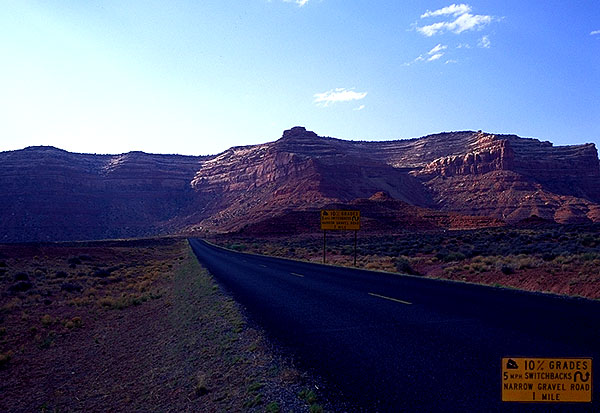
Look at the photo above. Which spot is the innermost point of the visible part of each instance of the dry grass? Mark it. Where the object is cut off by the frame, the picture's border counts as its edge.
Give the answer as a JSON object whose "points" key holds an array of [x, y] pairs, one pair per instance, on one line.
{"points": [[559, 259], [129, 326]]}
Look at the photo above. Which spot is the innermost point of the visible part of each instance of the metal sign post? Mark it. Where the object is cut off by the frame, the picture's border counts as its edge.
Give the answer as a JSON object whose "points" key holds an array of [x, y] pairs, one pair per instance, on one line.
{"points": [[324, 244], [340, 220], [355, 236]]}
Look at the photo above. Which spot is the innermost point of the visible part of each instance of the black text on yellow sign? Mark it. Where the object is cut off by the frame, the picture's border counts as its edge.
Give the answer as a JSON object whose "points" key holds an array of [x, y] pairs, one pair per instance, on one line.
{"points": [[335, 219], [547, 380]]}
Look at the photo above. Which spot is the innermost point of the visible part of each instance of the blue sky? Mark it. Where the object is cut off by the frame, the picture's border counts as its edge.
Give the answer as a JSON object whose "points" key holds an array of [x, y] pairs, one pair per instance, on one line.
{"points": [[197, 77]]}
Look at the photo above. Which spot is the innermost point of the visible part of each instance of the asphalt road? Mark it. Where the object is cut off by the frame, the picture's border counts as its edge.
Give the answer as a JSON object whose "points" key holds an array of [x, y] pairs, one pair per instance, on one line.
{"points": [[385, 342]]}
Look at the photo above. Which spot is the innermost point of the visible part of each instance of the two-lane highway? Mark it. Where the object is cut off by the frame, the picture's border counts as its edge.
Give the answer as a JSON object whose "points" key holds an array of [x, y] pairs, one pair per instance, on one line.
{"points": [[396, 343]]}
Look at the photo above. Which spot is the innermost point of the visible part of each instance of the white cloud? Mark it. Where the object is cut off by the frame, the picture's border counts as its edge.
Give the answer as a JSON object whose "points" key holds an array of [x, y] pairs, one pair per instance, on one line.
{"points": [[462, 23], [434, 54], [453, 9], [437, 49], [455, 18], [300, 3], [595, 32], [431, 29], [485, 42], [418, 59], [469, 21], [337, 95], [464, 20], [361, 107]]}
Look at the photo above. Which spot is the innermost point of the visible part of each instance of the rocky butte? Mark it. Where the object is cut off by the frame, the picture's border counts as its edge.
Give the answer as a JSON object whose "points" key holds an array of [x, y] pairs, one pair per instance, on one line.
{"points": [[50, 194]]}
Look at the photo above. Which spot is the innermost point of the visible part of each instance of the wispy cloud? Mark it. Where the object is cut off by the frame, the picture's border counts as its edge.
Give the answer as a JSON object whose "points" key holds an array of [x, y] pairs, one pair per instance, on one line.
{"points": [[300, 3], [463, 20], [455, 18], [453, 9], [432, 29], [595, 32], [337, 95], [437, 49], [361, 107], [436, 52], [462, 23], [418, 59], [484, 42], [432, 55]]}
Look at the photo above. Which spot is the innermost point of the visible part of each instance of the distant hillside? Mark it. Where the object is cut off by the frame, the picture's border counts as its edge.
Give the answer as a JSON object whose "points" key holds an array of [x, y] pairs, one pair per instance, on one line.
{"points": [[379, 214], [50, 194]]}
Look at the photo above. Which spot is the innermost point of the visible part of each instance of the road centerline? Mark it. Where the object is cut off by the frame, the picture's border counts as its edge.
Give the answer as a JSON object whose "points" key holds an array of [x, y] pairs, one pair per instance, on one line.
{"points": [[390, 298]]}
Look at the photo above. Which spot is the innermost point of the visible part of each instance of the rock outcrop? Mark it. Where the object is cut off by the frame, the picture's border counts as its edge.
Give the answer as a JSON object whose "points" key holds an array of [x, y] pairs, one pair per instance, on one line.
{"points": [[301, 170], [483, 155], [50, 194], [380, 213], [512, 178]]}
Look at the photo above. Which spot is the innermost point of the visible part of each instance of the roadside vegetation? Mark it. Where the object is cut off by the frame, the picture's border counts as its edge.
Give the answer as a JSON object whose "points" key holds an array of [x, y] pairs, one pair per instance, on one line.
{"points": [[130, 326], [560, 259]]}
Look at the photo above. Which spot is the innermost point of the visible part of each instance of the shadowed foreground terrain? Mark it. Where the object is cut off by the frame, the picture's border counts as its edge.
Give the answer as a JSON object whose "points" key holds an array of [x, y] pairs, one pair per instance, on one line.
{"points": [[562, 259], [130, 326]]}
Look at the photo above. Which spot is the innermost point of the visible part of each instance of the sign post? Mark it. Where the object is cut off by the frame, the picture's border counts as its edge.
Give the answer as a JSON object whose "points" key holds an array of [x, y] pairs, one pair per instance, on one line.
{"points": [[355, 236], [324, 245], [339, 220]]}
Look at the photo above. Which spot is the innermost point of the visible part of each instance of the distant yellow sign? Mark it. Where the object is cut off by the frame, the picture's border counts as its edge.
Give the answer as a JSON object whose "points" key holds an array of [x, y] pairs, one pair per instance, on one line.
{"points": [[547, 380], [335, 219]]}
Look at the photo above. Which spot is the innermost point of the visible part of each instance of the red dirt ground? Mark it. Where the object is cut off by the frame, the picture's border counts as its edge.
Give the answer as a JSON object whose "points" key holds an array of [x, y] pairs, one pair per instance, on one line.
{"points": [[152, 332]]}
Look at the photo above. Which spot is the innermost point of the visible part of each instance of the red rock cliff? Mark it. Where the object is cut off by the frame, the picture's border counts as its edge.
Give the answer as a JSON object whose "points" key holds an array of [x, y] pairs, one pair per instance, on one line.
{"points": [[50, 194]]}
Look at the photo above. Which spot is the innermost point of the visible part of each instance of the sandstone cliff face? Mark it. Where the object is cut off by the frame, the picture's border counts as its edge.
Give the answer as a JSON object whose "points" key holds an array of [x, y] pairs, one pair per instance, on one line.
{"points": [[474, 173], [508, 196], [512, 178], [50, 194], [566, 170], [300, 170], [481, 156], [476, 153]]}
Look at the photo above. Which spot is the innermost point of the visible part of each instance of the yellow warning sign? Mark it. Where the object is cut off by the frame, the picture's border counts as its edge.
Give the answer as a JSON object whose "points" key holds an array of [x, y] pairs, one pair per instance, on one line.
{"points": [[546, 380], [335, 219]]}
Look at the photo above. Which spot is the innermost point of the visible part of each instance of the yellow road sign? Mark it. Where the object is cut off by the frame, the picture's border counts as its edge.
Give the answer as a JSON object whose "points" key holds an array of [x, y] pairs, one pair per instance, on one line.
{"points": [[335, 219], [546, 380]]}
